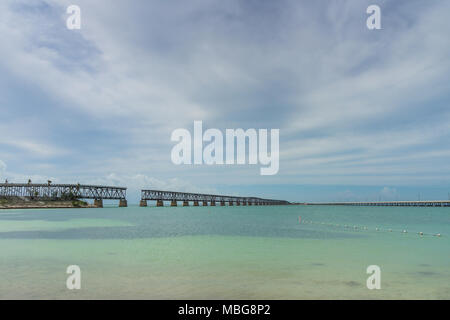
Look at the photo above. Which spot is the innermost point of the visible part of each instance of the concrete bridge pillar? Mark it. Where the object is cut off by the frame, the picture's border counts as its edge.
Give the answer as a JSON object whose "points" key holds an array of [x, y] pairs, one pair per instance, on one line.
{"points": [[173, 203], [249, 203], [143, 203], [195, 203], [244, 203], [159, 203], [98, 203], [205, 203], [185, 203], [230, 203], [222, 203], [123, 203], [213, 203], [238, 203]]}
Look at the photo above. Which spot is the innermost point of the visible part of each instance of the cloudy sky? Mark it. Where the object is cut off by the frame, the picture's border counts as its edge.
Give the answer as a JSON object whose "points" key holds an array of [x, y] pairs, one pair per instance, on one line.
{"points": [[363, 114]]}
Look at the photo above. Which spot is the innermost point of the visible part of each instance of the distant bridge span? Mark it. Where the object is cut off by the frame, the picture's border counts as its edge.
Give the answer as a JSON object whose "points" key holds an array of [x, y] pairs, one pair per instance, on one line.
{"points": [[50, 192], [423, 203], [196, 198]]}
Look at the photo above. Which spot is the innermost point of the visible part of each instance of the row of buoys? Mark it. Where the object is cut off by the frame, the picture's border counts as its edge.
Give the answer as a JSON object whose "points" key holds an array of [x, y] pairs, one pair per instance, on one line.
{"points": [[364, 227]]}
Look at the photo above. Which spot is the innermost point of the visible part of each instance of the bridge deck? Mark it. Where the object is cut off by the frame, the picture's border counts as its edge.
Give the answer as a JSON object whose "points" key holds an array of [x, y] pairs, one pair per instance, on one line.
{"points": [[430, 203], [186, 196], [61, 191]]}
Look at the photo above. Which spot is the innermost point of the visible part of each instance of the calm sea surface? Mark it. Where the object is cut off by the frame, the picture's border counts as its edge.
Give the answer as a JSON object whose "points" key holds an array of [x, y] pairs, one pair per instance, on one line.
{"points": [[225, 252]]}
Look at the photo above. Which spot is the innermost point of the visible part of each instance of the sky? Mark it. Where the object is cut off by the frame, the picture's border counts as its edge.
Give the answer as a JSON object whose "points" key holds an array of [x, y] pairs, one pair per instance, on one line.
{"points": [[363, 114]]}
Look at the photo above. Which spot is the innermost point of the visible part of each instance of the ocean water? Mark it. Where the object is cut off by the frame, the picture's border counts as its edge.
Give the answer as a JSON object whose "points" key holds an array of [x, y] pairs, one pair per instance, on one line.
{"points": [[225, 252]]}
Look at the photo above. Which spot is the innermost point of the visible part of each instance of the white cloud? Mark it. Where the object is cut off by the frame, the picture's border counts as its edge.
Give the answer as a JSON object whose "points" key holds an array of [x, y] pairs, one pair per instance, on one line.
{"points": [[142, 181], [345, 100], [388, 193], [2, 168]]}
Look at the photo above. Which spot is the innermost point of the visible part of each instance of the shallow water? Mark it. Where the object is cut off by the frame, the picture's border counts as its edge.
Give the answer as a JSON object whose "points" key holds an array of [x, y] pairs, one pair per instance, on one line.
{"points": [[225, 252]]}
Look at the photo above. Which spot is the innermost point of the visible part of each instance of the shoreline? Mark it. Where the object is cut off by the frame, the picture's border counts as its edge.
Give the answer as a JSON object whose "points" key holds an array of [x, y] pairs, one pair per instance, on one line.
{"points": [[76, 204]]}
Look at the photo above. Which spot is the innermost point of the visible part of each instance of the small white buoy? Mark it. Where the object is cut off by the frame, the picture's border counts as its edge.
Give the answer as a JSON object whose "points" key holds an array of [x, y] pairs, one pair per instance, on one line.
{"points": [[404, 231], [438, 235], [421, 233]]}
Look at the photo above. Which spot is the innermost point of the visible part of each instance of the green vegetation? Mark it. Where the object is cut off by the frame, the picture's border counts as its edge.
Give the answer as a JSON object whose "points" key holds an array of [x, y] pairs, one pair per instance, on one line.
{"points": [[79, 203], [23, 203], [69, 196]]}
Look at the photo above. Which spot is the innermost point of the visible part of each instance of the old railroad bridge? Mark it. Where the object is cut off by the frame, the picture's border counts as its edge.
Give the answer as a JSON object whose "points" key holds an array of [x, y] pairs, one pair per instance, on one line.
{"points": [[34, 191], [49, 192], [427, 203], [196, 198]]}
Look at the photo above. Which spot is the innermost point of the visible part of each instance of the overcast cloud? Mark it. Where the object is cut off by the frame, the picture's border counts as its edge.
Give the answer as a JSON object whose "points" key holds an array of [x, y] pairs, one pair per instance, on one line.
{"points": [[354, 106]]}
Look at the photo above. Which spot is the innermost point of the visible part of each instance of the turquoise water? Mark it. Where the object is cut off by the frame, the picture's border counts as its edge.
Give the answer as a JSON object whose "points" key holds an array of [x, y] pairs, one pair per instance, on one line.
{"points": [[225, 252]]}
